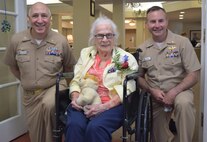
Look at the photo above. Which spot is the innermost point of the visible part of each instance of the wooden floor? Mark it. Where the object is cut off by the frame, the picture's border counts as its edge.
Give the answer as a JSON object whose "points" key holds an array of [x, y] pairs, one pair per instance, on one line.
{"points": [[25, 138]]}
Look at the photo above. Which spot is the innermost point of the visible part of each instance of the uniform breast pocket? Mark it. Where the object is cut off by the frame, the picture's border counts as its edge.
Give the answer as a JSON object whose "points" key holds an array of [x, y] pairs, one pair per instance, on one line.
{"points": [[172, 61], [22, 58], [150, 68], [52, 59], [173, 64], [147, 64], [24, 62], [52, 63]]}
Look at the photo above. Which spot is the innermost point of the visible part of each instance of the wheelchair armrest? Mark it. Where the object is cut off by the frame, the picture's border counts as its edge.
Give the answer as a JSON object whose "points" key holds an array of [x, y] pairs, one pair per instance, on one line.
{"points": [[131, 76]]}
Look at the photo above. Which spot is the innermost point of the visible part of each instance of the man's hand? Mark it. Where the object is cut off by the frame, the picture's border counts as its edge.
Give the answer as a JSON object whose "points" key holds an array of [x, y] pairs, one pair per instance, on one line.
{"points": [[157, 94], [170, 97]]}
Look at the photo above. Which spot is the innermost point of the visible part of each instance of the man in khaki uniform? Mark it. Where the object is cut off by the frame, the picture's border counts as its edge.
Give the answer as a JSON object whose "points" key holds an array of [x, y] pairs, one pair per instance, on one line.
{"points": [[35, 56], [169, 68]]}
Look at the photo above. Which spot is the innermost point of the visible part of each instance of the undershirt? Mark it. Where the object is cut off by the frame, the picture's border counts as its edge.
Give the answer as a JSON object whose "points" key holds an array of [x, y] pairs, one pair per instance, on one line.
{"points": [[98, 72]]}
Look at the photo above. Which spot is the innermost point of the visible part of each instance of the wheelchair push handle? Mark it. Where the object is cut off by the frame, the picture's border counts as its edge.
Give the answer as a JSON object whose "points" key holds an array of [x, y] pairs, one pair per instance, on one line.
{"points": [[64, 75]]}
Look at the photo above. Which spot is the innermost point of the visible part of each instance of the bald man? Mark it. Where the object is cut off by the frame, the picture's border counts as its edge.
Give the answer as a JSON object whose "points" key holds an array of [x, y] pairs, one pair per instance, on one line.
{"points": [[35, 56]]}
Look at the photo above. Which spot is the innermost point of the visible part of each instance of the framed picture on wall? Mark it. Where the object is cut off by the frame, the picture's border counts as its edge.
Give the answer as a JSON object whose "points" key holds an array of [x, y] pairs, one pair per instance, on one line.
{"points": [[195, 37], [92, 8], [195, 34]]}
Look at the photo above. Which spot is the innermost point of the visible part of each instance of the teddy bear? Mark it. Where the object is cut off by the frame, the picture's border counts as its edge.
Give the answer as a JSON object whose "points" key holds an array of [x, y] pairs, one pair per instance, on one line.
{"points": [[88, 94]]}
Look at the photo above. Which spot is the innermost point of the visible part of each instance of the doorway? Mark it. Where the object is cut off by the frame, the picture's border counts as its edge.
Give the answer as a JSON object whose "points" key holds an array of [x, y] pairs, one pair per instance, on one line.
{"points": [[12, 122]]}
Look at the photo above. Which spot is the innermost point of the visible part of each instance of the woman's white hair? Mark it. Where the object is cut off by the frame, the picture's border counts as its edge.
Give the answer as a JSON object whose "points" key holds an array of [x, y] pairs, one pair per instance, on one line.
{"points": [[99, 21]]}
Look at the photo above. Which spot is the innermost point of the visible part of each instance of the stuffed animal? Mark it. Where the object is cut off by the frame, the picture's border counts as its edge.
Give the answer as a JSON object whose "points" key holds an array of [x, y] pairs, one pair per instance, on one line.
{"points": [[88, 94]]}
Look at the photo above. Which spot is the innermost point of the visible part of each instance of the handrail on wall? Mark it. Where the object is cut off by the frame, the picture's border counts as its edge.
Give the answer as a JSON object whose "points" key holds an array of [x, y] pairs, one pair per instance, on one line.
{"points": [[2, 49], [9, 84], [8, 12]]}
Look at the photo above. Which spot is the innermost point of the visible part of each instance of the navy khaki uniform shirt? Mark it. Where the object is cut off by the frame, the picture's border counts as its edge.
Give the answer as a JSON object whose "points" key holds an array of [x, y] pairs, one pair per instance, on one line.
{"points": [[39, 64], [167, 66]]}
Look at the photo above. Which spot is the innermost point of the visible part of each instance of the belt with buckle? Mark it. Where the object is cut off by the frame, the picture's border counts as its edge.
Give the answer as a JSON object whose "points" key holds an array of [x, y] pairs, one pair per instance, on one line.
{"points": [[35, 92]]}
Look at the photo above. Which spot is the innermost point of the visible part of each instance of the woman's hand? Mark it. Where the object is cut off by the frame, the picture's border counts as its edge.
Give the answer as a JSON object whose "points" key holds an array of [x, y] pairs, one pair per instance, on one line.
{"points": [[93, 110], [76, 106], [74, 97]]}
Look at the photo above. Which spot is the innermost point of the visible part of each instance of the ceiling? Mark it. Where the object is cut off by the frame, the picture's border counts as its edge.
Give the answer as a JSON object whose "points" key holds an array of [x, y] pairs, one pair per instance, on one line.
{"points": [[192, 11], [191, 15]]}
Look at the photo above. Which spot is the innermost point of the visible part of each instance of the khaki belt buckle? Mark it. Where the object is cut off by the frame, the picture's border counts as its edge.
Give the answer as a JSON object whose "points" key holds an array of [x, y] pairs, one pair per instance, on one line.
{"points": [[38, 91]]}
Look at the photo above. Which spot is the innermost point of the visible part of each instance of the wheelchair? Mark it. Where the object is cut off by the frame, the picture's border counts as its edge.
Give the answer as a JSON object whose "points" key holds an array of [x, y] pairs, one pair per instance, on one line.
{"points": [[137, 111]]}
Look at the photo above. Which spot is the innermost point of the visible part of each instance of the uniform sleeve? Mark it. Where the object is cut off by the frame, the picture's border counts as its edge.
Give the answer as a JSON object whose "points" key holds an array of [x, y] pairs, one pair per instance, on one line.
{"points": [[74, 85], [189, 57], [68, 58], [10, 54], [141, 69]]}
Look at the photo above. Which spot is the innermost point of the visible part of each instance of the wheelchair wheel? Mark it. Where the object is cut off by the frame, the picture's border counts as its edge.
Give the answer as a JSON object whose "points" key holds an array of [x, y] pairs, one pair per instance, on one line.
{"points": [[144, 119]]}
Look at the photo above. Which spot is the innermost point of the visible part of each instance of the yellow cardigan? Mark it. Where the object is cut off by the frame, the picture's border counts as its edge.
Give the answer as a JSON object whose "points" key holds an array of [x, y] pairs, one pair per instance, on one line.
{"points": [[111, 80]]}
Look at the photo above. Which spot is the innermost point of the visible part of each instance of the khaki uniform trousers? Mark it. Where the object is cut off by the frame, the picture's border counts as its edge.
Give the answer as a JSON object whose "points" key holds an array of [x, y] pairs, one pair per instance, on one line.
{"points": [[40, 113], [183, 115]]}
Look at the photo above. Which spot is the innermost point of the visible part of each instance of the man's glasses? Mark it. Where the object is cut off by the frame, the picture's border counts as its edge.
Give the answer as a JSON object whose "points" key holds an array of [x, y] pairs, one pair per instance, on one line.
{"points": [[101, 36]]}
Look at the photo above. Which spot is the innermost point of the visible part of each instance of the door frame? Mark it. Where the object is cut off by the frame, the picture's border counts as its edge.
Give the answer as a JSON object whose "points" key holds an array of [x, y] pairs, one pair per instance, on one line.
{"points": [[15, 126], [203, 87]]}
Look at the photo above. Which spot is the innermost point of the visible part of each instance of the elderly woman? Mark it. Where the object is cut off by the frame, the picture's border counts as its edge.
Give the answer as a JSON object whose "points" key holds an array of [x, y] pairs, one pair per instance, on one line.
{"points": [[109, 64]]}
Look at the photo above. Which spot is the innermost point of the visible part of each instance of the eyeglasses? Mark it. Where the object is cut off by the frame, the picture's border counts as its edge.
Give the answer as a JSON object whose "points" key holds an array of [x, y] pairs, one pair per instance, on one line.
{"points": [[108, 36]]}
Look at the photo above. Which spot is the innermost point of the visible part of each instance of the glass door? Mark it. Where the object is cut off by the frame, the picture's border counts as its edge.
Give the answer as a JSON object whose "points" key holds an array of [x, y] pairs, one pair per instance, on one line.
{"points": [[12, 121]]}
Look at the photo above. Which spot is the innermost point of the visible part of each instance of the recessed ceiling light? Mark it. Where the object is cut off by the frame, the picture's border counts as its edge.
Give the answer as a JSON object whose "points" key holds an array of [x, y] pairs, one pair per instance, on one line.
{"points": [[181, 16], [182, 12]]}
